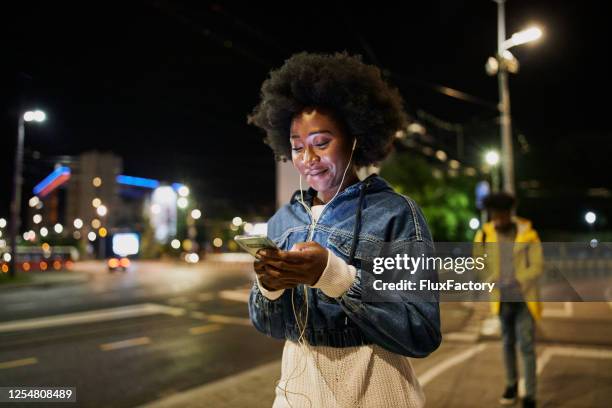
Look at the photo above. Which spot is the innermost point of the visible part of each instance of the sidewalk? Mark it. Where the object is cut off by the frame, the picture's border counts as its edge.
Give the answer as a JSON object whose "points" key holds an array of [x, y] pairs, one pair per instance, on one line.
{"points": [[46, 279], [253, 388]]}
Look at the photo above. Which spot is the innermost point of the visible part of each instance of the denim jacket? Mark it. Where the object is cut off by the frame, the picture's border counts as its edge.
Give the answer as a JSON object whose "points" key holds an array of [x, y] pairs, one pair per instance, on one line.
{"points": [[354, 225]]}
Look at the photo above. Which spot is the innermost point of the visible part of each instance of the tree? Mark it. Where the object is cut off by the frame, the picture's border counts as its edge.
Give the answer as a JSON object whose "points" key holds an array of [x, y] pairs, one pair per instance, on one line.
{"points": [[447, 201]]}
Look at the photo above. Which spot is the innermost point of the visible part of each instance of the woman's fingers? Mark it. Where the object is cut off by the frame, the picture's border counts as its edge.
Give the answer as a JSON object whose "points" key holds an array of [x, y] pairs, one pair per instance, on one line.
{"points": [[273, 271], [272, 276], [263, 273], [277, 255], [282, 266], [300, 253], [259, 266]]}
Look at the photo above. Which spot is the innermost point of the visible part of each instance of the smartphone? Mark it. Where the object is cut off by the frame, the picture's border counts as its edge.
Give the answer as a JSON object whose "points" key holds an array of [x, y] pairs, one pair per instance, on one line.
{"points": [[253, 243]]}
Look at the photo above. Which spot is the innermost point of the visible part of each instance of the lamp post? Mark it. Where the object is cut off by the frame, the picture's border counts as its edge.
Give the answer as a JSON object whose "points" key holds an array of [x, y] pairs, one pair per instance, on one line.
{"points": [[503, 63], [15, 220]]}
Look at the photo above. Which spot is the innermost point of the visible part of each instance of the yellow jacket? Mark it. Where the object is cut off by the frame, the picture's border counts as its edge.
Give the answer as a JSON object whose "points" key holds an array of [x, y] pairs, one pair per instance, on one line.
{"points": [[527, 259]]}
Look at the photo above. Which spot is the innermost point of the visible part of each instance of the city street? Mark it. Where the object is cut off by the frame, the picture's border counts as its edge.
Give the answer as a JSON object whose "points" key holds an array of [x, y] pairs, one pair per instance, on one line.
{"points": [[124, 339], [179, 335]]}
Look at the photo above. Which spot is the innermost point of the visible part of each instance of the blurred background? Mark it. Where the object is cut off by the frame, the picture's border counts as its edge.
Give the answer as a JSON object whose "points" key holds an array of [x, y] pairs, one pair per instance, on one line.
{"points": [[123, 131]]}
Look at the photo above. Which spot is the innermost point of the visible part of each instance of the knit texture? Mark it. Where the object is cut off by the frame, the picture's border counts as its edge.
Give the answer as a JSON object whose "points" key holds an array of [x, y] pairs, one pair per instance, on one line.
{"points": [[365, 376]]}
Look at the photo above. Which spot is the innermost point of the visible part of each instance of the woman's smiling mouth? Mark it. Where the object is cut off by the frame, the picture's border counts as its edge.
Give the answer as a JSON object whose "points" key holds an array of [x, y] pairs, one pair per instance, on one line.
{"points": [[314, 173]]}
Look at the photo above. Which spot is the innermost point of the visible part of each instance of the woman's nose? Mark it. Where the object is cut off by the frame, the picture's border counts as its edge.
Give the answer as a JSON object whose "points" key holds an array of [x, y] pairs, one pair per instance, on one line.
{"points": [[309, 156]]}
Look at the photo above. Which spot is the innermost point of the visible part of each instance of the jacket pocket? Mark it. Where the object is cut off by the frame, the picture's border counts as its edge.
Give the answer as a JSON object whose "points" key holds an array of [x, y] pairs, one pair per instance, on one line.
{"points": [[290, 237], [367, 247], [340, 242]]}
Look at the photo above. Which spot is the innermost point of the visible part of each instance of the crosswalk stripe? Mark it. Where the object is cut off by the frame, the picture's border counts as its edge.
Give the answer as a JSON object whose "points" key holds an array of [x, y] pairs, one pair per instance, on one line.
{"points": [[115, 313], [138, 341], [438, 369], [243, 321], [18, 363], [204, 329], [236, 295]]}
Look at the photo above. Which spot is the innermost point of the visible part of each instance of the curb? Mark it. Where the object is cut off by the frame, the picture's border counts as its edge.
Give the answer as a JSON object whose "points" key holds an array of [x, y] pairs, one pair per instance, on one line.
{"points": [[44, 283]]}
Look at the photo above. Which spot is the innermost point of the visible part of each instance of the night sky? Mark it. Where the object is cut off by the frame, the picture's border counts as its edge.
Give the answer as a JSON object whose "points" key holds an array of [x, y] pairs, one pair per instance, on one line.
{"points": [[167, 85]]}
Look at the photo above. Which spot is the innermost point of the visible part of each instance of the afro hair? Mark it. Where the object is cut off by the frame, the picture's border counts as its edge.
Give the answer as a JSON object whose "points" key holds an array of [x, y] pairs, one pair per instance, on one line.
{"points": [[367, 107]]}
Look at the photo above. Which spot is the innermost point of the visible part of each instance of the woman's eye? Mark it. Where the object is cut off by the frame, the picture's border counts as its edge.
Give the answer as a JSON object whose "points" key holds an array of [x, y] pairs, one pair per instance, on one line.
{"points": [[323, 144], [296, 149]]}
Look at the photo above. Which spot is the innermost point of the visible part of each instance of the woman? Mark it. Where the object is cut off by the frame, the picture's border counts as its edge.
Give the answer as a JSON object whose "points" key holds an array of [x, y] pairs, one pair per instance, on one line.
{"points": [[332, 114]]}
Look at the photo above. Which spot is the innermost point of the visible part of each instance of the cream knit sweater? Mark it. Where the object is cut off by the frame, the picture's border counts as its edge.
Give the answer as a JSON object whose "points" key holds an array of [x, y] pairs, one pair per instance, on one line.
{"points": [[363, 376]]}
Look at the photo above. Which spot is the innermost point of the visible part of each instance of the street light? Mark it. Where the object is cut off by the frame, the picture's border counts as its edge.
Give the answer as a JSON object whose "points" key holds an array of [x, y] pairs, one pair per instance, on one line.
{"points": [[29, 116], [590, 217], [102, 210], [182, 202], [34, 116], [503, 63], [78, 223], [523, 37], [492, 159], [474, 223], [183, 191]]}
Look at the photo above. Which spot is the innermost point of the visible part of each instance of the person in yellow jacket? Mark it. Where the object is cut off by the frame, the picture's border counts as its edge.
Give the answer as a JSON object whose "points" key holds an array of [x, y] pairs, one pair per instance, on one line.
{"points": [[514, 263]]}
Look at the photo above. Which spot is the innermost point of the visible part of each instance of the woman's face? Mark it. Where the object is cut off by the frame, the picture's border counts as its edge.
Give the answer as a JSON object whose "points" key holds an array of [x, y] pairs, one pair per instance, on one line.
{"points": [[320, 151]]}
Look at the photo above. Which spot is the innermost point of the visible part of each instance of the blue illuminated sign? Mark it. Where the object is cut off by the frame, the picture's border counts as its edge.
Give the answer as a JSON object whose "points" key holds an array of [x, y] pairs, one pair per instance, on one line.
{"points": [[177, 186], [53, 180], [137, 181]]}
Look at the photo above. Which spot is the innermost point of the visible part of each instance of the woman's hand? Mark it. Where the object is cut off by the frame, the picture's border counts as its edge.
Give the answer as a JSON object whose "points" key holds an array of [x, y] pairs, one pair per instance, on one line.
{"points": [[270, 278], [304, 263]]}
